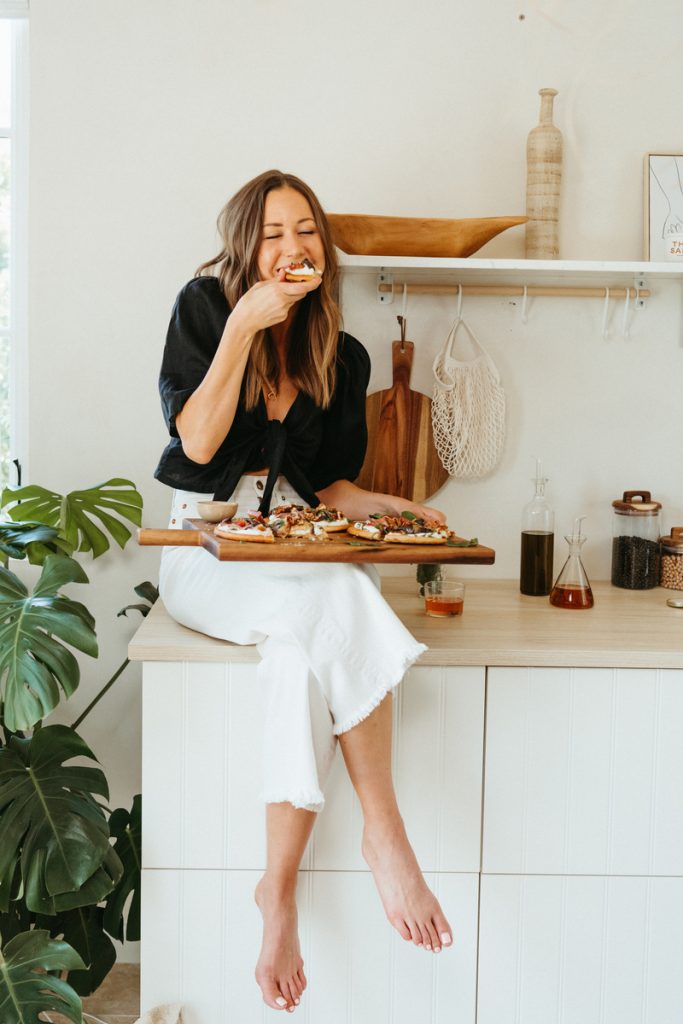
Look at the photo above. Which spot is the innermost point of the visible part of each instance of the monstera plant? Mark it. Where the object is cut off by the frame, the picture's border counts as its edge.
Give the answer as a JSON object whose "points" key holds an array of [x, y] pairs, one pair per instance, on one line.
{"points": [[68, 864]]}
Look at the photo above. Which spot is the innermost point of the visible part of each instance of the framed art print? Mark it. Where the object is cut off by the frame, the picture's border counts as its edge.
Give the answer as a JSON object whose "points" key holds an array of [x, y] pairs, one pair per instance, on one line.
{"points": [[663, 194]]}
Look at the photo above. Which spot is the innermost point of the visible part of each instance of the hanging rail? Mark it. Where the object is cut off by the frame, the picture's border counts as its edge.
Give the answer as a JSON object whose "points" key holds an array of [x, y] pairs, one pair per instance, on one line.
{"points": [[516, 290]]}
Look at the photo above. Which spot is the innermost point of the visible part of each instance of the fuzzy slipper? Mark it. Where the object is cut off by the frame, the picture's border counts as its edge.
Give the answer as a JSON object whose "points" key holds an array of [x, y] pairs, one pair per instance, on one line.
{"points": [[170, 1013]]}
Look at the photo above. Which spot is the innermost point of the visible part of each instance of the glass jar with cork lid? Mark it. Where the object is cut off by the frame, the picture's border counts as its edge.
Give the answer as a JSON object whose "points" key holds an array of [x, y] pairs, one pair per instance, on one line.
{"points": [[671, 572], [635, 541]]}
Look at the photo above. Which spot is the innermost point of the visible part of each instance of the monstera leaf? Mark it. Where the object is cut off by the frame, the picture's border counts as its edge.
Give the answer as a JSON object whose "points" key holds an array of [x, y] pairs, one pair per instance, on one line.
{"points": [[26, 990], [127, 828], [148, 592], [51, 823], [73, 514], [83, 930], [17, 919], [35, 540], [33, 662]]}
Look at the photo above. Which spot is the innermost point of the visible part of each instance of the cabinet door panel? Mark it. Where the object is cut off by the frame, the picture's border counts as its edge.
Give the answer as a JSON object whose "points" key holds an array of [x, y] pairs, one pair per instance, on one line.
{"points": [[580, 950], [580, 771], [202, 749], [202, 934]]}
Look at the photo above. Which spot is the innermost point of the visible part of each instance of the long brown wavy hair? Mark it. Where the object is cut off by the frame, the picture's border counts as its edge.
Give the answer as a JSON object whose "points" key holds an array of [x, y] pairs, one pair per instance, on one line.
{"points": [[311, 357]]}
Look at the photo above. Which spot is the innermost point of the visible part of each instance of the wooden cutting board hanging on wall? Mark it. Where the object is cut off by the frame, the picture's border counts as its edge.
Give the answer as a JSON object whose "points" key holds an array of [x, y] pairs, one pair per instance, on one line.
{"points": [[401, 457]]}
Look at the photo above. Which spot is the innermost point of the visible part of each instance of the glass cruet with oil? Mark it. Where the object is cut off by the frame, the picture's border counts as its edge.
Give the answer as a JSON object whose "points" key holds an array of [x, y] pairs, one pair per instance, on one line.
{"points": [[536, 558], [572, 589]]}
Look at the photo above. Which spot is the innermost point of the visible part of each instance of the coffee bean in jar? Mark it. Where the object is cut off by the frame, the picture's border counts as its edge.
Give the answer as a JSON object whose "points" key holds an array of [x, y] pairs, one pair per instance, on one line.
{"points": [[671, 569], [635, 542]]}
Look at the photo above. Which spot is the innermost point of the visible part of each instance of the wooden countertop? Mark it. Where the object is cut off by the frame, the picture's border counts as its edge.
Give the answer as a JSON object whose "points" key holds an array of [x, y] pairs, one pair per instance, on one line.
{"points": [[499, 626]]}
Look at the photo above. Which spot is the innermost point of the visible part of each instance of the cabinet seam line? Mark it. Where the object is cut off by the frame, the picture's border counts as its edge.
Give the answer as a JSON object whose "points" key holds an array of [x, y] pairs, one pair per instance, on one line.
{"points": [[481, 846]]}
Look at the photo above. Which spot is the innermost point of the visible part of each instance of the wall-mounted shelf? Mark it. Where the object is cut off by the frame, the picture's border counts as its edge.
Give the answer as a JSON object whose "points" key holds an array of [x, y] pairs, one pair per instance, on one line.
{"points": [[587, 278]]}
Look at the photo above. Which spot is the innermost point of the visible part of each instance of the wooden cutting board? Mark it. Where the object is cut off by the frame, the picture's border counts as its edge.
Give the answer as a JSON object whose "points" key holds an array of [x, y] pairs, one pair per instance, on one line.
{"points": [[401, 457], [338, 547]]}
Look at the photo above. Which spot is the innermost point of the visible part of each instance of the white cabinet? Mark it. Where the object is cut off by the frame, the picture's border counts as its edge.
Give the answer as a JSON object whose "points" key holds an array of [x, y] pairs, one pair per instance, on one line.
{"points": [[581, 915], [545, 805], [203, 932], [583, 771], [580, 950], [203, 852]]}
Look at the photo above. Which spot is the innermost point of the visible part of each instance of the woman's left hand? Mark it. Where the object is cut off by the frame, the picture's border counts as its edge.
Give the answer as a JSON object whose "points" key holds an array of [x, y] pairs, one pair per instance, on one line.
{"points": [[357, 503], [401, 505]]}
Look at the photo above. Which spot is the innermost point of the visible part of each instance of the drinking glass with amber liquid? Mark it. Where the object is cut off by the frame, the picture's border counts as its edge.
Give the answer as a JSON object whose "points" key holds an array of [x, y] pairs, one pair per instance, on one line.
{"points": [[444, 598]]}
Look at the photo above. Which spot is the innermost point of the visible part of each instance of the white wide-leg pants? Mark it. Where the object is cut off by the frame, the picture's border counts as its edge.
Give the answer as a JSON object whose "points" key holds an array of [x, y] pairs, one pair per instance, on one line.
{"points": [[331, 647]]}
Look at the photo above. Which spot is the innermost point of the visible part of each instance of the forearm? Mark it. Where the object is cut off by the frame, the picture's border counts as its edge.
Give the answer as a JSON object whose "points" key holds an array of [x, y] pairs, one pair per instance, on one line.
{"points": [[356, 503], [208, 414]]}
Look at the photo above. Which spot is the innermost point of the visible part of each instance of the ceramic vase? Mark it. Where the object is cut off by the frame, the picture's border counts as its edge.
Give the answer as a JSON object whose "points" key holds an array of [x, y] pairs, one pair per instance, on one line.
{"points": [[544, 176]]}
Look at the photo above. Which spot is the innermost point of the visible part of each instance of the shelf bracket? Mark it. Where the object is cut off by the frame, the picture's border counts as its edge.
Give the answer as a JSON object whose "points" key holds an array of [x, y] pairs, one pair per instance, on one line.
{"points": [[385, 297], [640, 284]]}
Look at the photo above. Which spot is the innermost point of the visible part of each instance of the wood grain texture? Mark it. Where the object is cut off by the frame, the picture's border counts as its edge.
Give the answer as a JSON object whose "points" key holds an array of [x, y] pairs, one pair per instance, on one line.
{"points": [[172, 538], [401, 457], [338, 547], [499, 626], [361, 235]]}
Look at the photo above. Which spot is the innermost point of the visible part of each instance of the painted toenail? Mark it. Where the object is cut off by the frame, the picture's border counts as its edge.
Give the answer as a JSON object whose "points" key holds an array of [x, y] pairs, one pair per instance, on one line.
{"points": [[428, 946], [437, 949], [297, 1001], [446, 939], [280, 1001]]}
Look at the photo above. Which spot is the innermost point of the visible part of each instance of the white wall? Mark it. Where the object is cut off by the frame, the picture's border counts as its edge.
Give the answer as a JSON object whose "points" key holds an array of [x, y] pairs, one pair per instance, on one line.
{"points": [[147, 114]]}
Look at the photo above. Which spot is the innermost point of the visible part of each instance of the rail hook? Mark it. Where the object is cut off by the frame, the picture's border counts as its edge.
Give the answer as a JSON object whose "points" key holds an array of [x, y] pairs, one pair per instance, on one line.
{"points": [[605, 316], [402, 319]]}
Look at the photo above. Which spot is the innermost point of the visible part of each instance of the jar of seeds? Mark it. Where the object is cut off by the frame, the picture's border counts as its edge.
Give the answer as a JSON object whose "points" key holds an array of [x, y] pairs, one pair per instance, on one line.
{"points": [[671, 554], [635, 541]]}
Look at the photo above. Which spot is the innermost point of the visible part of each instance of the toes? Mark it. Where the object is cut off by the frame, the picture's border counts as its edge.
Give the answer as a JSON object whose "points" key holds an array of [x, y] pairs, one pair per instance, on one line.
{"points": [[434, 939], [417, 935], [443, 929], [301, 977], [272, 995], [402, 928], [289, 990]]}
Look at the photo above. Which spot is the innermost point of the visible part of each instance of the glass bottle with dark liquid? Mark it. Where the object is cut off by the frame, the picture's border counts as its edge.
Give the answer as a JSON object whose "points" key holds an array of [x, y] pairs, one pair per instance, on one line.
{"points": [[572, 589], [536, 561]]}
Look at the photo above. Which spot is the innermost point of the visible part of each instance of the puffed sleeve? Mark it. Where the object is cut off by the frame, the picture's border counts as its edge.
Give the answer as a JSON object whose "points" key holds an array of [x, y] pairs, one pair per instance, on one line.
{"points": [[345, 433], [195, 330]]}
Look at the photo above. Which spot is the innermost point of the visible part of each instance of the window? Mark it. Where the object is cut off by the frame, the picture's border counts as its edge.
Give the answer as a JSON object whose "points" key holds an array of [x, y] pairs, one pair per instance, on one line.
{"points": [[13, 230]]}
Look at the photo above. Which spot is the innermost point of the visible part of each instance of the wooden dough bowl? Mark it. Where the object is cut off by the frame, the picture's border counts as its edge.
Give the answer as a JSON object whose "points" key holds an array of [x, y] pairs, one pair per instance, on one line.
{"points": [[360, 235]]}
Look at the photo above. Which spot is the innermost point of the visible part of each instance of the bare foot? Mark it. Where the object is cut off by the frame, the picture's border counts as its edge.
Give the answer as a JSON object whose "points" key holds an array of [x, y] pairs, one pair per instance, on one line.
{"points": [[409, 903], [280, 969]]}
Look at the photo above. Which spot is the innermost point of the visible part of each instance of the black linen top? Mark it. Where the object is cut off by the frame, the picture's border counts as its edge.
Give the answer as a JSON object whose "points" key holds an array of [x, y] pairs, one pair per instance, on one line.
{"points": [[311, 447]]}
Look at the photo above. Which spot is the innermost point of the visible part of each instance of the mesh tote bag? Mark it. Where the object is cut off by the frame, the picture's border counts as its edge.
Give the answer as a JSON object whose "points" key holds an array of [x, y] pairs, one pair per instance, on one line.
{"points": [[468, 408]]}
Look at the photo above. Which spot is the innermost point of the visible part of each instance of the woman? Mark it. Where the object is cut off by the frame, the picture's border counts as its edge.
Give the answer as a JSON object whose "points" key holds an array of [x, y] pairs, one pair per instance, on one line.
{"points": [[264, 398]]}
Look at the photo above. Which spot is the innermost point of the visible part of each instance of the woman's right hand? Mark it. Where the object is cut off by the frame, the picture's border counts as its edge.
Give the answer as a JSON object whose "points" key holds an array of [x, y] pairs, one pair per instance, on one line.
{"points": [[269, 302], [205, 419]]}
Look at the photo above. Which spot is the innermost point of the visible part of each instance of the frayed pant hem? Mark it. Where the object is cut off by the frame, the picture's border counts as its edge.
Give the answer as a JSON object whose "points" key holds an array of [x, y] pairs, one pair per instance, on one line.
{"points": [[378, 696], [366, 710], [301, 801]]}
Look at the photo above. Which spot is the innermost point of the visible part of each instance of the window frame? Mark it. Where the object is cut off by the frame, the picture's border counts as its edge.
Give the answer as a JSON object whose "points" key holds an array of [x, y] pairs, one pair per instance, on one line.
{"points": [[17, 132]]}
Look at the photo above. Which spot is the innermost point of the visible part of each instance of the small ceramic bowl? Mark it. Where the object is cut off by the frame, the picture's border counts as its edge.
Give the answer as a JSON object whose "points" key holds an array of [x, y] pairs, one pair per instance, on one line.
{"points": [[215, 511]]}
